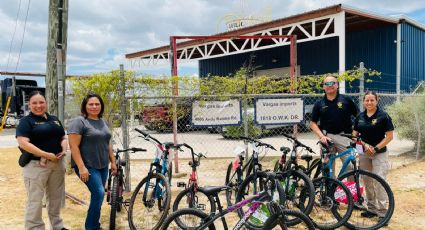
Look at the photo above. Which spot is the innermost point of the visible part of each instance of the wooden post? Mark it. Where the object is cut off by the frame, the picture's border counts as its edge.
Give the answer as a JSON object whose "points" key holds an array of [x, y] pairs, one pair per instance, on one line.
{"points": [[56, 56]]}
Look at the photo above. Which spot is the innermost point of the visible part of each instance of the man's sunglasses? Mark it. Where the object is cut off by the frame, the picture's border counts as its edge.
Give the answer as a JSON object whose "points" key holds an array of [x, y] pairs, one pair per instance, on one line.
{"points": [[330, 83]]}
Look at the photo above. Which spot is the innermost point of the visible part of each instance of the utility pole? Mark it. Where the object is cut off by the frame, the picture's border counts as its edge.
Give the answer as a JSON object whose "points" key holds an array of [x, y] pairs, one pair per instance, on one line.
{"points": [[56, 56]]}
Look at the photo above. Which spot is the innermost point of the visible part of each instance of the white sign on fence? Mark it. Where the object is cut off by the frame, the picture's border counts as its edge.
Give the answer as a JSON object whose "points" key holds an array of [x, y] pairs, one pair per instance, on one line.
{"points": [[279, 111], [207, 113]]}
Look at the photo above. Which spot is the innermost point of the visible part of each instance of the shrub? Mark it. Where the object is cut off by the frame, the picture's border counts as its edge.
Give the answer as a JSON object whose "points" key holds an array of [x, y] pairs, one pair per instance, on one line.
{"points": [[405, 120]]}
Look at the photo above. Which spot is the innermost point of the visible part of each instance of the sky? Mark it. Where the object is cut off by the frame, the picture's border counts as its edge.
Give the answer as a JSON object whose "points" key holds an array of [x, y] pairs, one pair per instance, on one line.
{"points": [[101, 32]]}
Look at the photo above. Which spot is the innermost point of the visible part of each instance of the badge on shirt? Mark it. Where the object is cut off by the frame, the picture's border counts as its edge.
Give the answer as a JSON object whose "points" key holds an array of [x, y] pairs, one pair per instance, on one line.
{"points": [[374, 121], [339, 105]]}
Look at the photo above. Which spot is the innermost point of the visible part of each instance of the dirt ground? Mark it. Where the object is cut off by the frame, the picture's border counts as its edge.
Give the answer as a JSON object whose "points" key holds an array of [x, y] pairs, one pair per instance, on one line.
{"points": [[407, 179]]}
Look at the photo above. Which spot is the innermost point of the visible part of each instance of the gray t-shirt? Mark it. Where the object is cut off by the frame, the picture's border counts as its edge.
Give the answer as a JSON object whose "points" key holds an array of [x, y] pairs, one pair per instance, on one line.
{"points": [[95, 137]]}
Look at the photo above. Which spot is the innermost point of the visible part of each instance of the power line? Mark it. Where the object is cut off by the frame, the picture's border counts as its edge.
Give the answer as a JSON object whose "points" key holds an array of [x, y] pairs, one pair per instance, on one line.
{"points": [[23, 36], [13, 36]]}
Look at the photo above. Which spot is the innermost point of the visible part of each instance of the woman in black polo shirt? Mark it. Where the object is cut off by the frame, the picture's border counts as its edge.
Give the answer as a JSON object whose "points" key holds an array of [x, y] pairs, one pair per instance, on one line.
{"points": [[375, 127], [41, 135]]}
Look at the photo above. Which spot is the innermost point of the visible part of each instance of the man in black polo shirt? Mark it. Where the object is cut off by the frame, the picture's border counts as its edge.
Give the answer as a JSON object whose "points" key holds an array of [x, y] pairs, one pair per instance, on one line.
{"points": [[333, 113]]}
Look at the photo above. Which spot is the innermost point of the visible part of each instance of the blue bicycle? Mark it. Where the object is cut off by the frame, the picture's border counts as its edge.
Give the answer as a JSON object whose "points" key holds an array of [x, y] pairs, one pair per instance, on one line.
{"points": [[356, 181], [150, 201]]}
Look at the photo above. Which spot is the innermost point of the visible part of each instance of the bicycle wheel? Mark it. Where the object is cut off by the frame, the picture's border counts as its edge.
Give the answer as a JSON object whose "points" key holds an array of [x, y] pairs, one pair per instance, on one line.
{"points": [[169, 174], [232, 182], [281, 220], [299, 191], [114, 201], [190, 199], [333, 203], [149, 214], [192, 218], [246, 189], [367, 200]]}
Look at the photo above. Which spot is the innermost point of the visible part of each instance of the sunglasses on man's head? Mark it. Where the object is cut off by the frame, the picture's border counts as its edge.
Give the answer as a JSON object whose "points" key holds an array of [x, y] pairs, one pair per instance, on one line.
{"points": [[330, 83]]}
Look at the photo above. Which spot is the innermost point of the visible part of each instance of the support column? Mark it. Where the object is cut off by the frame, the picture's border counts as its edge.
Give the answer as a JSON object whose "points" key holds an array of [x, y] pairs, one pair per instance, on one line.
{"points": [[398, 62], [340, 30]]}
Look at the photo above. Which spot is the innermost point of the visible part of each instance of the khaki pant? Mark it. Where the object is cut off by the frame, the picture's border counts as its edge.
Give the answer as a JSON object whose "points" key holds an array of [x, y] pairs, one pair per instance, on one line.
{"points": [[340, 144], [46, 180], [377, 198]]}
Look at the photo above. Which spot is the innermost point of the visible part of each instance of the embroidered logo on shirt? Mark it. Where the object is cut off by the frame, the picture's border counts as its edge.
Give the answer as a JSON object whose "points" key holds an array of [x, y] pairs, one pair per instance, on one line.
{"points": [[339, 105], [374, 121]]}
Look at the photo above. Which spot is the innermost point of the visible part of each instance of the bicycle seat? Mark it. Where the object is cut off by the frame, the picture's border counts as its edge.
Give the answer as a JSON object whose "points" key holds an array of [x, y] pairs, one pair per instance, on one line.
{"points": [[307, 157], [213, 190], [285, 150]]}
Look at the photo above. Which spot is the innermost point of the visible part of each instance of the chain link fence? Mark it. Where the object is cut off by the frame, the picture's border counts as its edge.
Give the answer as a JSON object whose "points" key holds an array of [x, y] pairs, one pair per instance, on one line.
{"points": [[212, 125], [214, 129]]}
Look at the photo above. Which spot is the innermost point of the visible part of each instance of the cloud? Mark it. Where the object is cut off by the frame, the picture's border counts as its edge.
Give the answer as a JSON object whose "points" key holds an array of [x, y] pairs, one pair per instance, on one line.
{"points": [[101, 32]]}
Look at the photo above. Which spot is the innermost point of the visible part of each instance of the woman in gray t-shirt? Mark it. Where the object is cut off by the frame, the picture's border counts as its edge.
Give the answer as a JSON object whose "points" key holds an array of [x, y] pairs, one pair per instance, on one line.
{"points": [[89, 140]]}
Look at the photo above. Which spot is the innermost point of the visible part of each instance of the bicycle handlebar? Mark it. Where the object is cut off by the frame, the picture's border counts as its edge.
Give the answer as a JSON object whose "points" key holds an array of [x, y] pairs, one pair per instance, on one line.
{"points": [[146, 135], [257, 142], [298, 143], [131, 149]]}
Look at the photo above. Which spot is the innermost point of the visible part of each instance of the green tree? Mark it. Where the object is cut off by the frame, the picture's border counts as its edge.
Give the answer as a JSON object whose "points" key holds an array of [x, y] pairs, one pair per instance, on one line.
{"points": [[409, 118], [108, 86]]}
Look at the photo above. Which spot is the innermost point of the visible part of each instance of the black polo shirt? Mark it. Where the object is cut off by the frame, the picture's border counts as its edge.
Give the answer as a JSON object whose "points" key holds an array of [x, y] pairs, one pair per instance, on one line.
{"points": [[46, 134], [372, 129], [334, 116]]}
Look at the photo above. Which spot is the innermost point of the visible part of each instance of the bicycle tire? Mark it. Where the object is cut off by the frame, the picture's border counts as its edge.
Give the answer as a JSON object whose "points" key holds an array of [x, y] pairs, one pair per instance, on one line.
{"points": [[120, 192], [114, 201], [167, 225], [149, 219], [327, 204], [300, 192], [170, 172], [278, 220], [233, 184], [358, 222], [276, 167], [192, 203], [245, 191]]}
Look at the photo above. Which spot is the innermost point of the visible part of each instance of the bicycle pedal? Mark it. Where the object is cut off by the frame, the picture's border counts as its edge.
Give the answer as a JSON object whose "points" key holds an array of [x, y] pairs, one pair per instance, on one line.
{"points": [[126, 202], [201, 207], [181, 184]]}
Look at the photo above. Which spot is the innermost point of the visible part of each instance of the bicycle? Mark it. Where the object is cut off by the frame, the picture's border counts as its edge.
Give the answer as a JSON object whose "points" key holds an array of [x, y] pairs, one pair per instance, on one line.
{"points": [[154, 189], [253, 164], [114, 195], [255, 182], [356, 180], [267, 199], [298, 186], [329, 211], [236, 178], [193, 196]]}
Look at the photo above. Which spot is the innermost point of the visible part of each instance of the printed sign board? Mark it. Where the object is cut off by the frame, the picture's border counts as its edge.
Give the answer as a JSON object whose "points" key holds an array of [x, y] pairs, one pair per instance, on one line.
{"points": [[215, 113], [275, 111]]}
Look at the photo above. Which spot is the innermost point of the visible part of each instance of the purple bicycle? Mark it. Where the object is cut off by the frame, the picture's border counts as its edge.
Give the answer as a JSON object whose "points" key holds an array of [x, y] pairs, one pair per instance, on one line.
{"points": [[263, 207]]}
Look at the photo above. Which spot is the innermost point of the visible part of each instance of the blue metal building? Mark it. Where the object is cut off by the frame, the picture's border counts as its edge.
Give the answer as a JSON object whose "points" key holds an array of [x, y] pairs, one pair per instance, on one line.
{"points": [[329, 40]]}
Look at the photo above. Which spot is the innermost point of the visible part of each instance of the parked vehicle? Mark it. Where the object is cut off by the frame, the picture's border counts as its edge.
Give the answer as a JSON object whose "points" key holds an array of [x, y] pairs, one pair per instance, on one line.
{"points": [[160, 118]]}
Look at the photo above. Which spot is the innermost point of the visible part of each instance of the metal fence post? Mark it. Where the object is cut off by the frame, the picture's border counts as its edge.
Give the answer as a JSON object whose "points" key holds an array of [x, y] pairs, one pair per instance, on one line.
{"points": [[361, 85], [124, 128], [418, 127]]}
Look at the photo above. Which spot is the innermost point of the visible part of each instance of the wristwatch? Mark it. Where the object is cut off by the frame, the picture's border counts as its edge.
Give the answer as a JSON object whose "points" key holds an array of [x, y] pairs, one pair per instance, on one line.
{"points": [[376, 149]]}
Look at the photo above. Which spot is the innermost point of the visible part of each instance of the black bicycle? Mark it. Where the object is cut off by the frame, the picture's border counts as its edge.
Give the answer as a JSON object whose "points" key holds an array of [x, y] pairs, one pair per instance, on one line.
{"points": [[116, 186]]}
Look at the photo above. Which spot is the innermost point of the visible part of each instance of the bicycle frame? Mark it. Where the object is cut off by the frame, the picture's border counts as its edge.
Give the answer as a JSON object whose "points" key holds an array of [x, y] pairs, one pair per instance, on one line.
{"points": [[350, 159], [159, 165], [256, 203]]}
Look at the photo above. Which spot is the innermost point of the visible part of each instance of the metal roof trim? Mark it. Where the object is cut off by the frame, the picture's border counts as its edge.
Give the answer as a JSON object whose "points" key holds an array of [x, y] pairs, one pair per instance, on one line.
{"points": [[404, 18], [369, 14]]}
